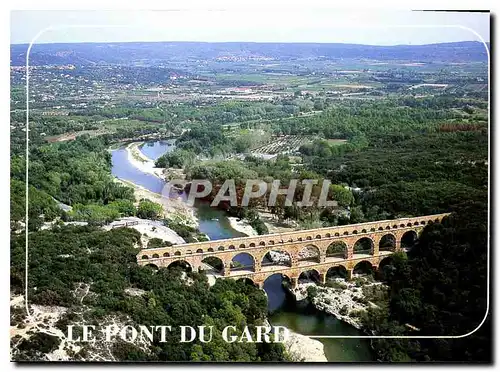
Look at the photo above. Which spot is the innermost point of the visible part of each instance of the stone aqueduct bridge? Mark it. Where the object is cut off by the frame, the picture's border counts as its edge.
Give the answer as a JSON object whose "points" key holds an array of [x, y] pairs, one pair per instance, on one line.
{"points": [[293, 243]]}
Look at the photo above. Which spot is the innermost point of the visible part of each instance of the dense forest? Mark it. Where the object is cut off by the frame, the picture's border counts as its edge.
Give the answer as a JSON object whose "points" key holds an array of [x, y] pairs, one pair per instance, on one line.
{"points": [[439, 289]]}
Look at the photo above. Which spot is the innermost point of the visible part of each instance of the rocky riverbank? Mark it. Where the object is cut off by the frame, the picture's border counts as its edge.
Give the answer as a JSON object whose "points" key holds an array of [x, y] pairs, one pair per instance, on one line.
{"points": [[301, 348], [242, 226], [346, 300], [282, 258]]}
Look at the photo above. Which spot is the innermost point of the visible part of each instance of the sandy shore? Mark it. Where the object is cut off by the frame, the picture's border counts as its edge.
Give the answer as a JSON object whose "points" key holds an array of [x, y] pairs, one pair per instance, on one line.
{"points": [[148, 229], [174, 209], [242, 226], [140, 161]]}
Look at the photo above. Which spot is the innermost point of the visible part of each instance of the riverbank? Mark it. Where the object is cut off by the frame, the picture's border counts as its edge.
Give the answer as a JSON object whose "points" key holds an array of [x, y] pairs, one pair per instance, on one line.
{"points": [[140, 161], [173, 208], [149, 229], [301, 348], [274, 226], [242, 226], [345, 300]]}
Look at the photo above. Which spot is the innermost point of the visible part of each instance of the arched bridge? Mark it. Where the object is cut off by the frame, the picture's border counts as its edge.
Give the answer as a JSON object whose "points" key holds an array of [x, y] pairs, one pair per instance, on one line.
{"points": [[296, 252]]}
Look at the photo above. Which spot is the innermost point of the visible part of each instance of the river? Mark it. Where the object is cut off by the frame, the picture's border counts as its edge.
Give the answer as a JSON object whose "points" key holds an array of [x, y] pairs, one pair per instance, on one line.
{"points": [[283, 310]]}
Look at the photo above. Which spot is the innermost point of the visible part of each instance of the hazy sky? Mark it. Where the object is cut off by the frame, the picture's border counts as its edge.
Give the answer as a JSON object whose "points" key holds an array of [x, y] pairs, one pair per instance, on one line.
{"points": [[257, 25]]}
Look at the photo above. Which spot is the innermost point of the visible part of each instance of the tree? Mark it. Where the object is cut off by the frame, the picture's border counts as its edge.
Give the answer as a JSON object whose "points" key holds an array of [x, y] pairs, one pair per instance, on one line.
{"points": [[149, 210], [124, 207]]}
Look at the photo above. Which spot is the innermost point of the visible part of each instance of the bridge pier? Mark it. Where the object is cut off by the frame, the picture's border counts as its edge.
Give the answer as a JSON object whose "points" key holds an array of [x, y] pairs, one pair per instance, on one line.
{"points": [[349, 274], [294, 282], [350, 252], [227, 269], [322, 278], [257, 266]]}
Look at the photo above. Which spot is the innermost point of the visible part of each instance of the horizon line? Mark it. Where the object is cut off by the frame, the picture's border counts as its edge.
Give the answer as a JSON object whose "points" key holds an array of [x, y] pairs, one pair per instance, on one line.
{"points": [[246, 42]]}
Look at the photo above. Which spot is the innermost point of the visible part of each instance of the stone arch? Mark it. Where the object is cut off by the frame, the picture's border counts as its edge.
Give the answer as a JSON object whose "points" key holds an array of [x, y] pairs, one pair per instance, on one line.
{"points": [[268, 275], [231, 247], [402, 225], [247, 281], [166, 254], [337, 234], [243, 261], [387, 227], [262, 243], [337, 248], [210, 249], [355, 232], [271, 242], [220, 248], [184, 265], [189, 251], [422, 222], [309, 238], [177, 253], [385, 261], [274, 279], [394, 226], [409, 239], [212, 261], [242, 246], [363, 267], [318, 236], [309, 253], [276, 257], [363, 246], [309, 274], [363, 231], [290, 240], [156, 255], [372, 229], [408, 224], [387, 243], [346, 232], [152, 266], [252, 245], [336, 271], [380, 228], [199, 250], [328, 235], [144, 257], [385, 268], [299, 239]]}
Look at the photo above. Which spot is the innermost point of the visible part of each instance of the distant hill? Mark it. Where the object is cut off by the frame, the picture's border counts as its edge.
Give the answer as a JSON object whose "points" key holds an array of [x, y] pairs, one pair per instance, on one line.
{"points": [[150, 53]]}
